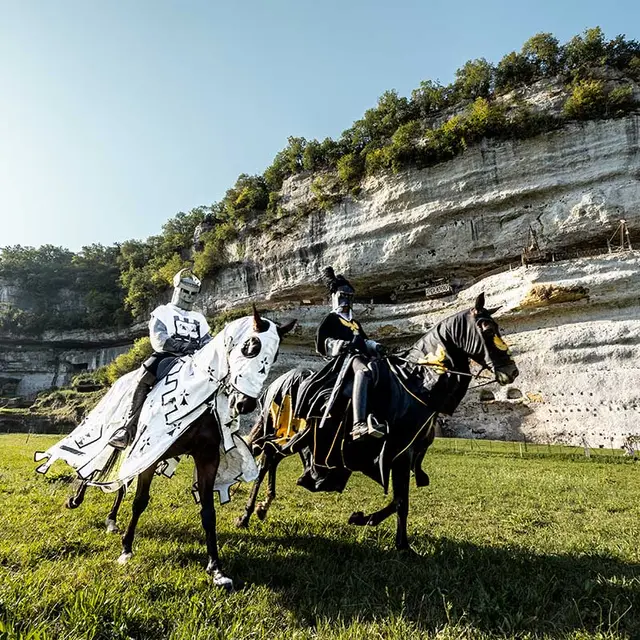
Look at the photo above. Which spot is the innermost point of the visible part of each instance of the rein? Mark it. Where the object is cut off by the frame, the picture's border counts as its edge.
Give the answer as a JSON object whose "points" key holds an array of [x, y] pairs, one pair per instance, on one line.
{"points": [[459, 373]]}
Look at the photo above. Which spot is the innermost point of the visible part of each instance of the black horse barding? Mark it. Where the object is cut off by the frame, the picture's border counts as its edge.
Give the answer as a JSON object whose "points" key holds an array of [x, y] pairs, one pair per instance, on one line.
{"points": [[431, 378], [239, 345]]}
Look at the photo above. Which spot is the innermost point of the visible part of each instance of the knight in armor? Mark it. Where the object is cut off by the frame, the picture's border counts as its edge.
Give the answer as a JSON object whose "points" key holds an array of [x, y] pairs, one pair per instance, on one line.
{"points": [[175, 330], [340, 332]]}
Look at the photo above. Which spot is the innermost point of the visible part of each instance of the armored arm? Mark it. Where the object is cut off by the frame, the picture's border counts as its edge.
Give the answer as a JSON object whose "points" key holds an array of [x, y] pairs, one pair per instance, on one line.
{"points": [[158, 334], [326, 344], [205, 332], [334, 347], [161, 341], [375, 348]]}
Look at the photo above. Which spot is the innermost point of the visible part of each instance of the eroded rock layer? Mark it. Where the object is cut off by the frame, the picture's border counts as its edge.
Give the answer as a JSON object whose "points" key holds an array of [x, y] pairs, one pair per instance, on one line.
{"points": [[454, 220], [572, 323]]}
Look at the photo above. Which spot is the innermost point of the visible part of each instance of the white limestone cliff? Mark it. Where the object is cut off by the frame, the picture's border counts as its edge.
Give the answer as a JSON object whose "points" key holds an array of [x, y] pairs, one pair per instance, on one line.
{"points": [[457, 219], [576, 341]]}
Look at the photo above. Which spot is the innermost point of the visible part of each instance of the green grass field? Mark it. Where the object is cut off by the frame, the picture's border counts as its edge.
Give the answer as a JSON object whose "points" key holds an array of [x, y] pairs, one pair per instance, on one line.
{"points": [[508, 546]]}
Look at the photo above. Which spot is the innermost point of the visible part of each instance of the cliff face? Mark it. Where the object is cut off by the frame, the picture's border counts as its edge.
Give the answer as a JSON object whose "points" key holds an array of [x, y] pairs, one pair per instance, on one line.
{"points": [[28, 366], [574, 330], [572, 323], [457, 219], [22, 298]]}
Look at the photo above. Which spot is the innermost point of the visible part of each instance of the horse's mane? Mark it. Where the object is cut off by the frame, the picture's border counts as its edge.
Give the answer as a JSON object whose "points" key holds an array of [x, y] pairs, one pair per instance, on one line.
{"points": [[449, 327]]}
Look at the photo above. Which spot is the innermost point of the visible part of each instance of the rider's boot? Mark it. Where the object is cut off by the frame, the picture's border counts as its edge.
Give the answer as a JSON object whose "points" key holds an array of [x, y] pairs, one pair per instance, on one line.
{"points": [[124, 436], [361, 425]]}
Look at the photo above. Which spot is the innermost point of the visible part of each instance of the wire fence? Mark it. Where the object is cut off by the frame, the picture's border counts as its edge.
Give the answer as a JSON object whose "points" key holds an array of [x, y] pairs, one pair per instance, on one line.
{"points": [[525, 449]]}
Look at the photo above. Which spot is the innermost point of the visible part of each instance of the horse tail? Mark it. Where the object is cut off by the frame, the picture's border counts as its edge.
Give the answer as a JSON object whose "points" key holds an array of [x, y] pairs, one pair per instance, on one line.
{"points": [[263, 428], [257, 431]]}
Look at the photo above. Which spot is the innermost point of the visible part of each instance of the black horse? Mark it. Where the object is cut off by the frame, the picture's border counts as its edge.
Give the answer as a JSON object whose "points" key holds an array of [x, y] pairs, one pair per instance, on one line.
{"points": [[202, 439], [300, 415]]}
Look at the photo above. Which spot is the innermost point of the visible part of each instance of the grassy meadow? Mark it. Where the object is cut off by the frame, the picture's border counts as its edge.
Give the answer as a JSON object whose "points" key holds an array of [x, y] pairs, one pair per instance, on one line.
{"points": [[508, 546]]}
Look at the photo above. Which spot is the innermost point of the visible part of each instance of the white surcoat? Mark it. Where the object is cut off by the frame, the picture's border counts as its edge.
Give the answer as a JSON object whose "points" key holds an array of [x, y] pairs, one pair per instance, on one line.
{"points": [[169, 321]]}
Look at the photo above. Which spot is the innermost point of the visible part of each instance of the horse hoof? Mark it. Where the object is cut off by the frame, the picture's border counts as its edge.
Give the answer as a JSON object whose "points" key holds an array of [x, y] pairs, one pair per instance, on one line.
{"points": [[261, 513], [70, 504], [407, 551], [220, 580], [358, 518], [112, 527], [124, 558], [242, 523]]}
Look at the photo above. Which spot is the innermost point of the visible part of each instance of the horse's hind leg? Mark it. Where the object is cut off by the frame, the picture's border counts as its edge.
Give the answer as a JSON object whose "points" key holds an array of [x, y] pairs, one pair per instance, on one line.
{"points": [[263, 507], [112, 527], [140, 503], [74, 501], [360, 519], [243, 520]]}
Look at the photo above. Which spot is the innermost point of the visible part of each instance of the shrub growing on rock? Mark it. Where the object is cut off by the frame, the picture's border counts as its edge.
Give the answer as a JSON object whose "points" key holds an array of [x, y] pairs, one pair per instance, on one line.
{"points": [[126, 362], [351, 170], [588, 100], [621, 101]]}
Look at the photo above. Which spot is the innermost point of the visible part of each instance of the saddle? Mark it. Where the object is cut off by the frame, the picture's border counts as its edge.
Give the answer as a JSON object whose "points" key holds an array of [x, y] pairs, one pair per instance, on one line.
{"points": [[328, 453]]}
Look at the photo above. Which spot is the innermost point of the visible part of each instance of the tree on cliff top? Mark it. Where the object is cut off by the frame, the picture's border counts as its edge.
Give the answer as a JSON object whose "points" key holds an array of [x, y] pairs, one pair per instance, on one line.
{"points": [[474, 79]]}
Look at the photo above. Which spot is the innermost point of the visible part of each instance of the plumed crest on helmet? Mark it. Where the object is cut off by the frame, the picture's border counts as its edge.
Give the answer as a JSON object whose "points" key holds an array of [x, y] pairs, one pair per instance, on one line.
{"points": [[335, 282], [186, 277]]}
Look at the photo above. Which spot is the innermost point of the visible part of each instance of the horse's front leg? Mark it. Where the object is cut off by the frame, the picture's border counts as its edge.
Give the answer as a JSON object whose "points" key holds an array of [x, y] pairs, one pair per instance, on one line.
{"points": [[112, 527], [74, 501], [263, 507], [422, 478], [400, 474], [140, 503], [243, 520], [207, 468], [361, 519]]}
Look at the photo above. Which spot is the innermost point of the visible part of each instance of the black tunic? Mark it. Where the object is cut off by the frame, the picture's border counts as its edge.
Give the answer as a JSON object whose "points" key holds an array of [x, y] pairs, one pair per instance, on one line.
{"points": [[337, 328]]}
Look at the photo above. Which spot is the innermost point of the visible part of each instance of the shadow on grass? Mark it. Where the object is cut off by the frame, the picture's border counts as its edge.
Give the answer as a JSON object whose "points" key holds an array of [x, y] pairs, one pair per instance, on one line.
{"points": [[496, 590]]}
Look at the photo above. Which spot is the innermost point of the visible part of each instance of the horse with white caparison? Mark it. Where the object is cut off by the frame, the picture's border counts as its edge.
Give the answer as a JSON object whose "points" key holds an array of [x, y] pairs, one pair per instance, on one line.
{"points": [[192, 410]]}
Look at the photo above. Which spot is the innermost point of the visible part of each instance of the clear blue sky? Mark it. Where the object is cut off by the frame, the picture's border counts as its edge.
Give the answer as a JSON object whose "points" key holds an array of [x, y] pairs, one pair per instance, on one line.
{"points": [[115, 115]]}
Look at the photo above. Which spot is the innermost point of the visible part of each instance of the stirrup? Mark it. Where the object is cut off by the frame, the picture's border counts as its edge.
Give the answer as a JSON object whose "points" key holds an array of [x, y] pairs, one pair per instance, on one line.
{"points": [[120, 439], [375, 428]]}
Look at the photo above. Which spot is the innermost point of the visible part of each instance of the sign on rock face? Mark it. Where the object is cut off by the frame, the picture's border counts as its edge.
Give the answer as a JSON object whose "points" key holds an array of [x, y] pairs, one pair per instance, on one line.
{"points": [[438, 290]]}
